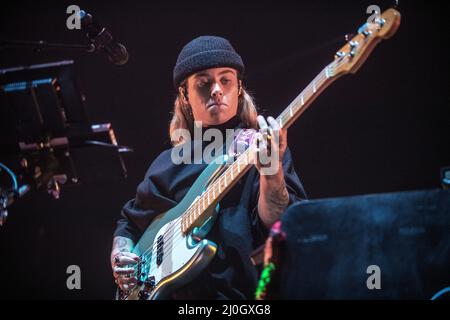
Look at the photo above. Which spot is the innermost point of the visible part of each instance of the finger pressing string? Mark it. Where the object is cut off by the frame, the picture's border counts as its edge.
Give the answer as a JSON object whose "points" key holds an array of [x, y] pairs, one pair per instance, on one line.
{"points": [[123, 271], [262, 123], [273, 123], [124, 259]]}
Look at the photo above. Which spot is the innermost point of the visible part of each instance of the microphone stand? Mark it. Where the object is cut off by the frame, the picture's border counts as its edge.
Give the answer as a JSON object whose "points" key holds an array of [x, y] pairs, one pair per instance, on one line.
{"points": [[44, 45]]}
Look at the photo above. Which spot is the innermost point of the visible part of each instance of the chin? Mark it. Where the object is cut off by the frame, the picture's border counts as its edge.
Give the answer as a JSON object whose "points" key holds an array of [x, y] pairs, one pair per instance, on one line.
{"points": [[218, 116], [216, 120]]}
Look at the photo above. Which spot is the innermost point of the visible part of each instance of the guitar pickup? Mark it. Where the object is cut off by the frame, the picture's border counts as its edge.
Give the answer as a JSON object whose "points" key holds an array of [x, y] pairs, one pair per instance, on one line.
{"points": [[159, 250]]}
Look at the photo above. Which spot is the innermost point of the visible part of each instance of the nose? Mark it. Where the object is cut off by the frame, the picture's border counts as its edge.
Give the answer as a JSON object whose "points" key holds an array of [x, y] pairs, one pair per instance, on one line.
{"points": [[216, 91]]}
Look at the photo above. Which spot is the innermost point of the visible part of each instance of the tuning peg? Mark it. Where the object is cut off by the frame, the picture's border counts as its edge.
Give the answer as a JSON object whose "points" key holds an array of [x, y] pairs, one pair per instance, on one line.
{"points": [[364, 30], [340, 54], [366, 33], [353, 44], [380, 21]]}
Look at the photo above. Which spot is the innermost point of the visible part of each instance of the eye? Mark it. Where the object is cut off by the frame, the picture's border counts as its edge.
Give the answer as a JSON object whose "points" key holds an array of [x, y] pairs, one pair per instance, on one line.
{"points": [[225, 81], [202, 83]]}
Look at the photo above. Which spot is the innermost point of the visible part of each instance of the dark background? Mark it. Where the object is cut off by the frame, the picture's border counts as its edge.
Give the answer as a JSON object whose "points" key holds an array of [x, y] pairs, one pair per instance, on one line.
{"points": [[383, 129]]}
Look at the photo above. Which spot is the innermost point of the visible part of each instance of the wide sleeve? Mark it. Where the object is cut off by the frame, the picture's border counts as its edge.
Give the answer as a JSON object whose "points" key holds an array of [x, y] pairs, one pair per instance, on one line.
{"points": [[152, 198], [294, 188]]}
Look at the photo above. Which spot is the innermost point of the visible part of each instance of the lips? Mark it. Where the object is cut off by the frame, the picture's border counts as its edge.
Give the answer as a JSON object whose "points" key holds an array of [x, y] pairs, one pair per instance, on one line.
{"points": [[215, 104]]}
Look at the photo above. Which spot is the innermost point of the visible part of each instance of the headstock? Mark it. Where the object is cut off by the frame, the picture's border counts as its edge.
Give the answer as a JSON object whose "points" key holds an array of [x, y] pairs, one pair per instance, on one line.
{"points": [[351, 56]]}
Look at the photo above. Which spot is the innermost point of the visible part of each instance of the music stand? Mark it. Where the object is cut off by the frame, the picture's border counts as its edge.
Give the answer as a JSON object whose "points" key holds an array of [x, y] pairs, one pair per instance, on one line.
{"points": [[42, 118]]}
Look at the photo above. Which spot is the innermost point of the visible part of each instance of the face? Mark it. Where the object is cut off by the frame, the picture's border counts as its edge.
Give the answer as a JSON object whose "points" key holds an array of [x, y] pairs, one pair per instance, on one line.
{"points": [[213, 95]]}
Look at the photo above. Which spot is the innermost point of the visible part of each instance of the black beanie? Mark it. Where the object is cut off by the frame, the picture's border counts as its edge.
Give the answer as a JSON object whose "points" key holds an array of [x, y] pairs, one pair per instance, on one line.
{"points": [[205, 52]]}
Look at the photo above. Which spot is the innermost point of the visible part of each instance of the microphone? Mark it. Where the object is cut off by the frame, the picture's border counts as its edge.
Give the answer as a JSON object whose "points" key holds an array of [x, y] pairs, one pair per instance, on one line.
{"points": [[103, 40]]}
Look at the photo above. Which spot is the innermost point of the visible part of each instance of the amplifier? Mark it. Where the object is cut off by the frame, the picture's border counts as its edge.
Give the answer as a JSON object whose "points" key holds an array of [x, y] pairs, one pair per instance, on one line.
{"points": [[379, 246]]}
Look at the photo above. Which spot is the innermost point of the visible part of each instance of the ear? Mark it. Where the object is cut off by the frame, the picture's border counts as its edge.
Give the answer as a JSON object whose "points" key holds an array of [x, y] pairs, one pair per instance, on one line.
{"points": [[240, 87], [183, 95]]}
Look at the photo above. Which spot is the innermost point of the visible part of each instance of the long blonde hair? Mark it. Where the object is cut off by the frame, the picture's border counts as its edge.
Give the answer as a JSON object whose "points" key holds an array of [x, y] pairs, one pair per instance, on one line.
{"points": [[183, 119]]}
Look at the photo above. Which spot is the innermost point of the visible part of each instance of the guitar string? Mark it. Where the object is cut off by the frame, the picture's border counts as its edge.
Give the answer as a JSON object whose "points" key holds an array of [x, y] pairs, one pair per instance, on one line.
{"points": [[282, 115], [196, 204], [318, 78], [176, 234], [176, 224]]}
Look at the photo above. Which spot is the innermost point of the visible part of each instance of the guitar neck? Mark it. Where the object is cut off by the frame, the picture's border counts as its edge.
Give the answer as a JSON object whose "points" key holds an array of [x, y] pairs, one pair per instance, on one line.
{"points": [[308, 95], [196, 214]]}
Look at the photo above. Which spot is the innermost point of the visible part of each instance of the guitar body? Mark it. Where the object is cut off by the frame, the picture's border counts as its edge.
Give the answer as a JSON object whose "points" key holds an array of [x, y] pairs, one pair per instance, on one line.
{"points": [[184, 256]]}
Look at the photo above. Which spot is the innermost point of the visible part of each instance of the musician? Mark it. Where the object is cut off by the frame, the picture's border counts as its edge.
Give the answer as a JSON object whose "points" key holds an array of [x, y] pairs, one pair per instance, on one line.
{"points": [[208, 77]]}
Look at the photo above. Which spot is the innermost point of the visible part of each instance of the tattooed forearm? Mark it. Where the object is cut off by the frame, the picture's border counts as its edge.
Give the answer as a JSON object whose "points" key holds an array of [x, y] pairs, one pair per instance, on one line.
{"points": [[278, 197], [273, 199], [122, 244]]}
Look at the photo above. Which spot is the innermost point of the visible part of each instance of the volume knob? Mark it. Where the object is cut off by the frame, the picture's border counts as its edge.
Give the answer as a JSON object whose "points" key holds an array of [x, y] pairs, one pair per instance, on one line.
{"points": [[143, 295]]}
